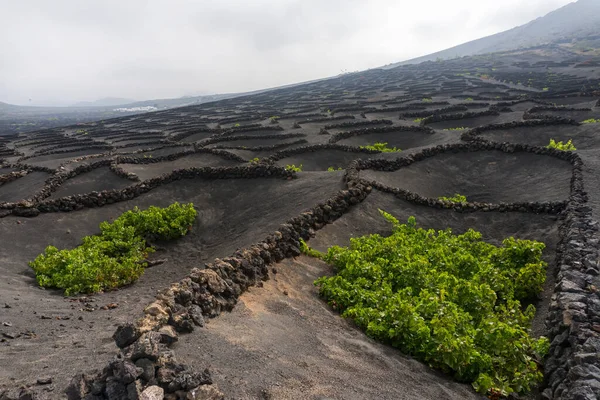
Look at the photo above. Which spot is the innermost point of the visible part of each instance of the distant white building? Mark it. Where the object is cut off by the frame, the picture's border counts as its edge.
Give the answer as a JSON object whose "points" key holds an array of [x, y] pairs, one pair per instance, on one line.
{"points": [[136, 109]]}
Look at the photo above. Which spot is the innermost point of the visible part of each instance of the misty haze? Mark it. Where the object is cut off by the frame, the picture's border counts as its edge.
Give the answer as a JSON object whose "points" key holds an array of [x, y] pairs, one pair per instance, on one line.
{"points": [[207, 200]]}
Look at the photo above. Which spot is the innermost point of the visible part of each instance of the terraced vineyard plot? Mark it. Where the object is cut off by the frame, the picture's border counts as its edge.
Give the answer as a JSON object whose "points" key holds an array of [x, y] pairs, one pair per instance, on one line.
{"points": [[55, 160], [582, 101], [578, 116], [159, 151], [283, 317], [134, 148], [95, 180], [365, 219], [250, 143], [473, 122], [486, 177], [494, 226], [252, 215], [322, 159], [230, 215], [584, 136], [196, 137], [148, 171], [401, 139], [523, 106], [23, 188]]}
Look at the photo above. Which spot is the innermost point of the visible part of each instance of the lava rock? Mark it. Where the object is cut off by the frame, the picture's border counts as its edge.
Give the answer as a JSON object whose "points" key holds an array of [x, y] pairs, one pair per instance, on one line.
{"points": [[45, 380], [134, 390], [148, 369], [125, 335], [168, 335], [205, 392], [146, 347], [115, 390], [152, 393], [195, 313], [126, 372], [79, 386]]}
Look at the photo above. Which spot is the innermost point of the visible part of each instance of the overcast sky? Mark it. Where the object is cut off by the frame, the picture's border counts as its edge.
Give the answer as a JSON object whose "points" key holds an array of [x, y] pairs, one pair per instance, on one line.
{"points": [[63, 51]]}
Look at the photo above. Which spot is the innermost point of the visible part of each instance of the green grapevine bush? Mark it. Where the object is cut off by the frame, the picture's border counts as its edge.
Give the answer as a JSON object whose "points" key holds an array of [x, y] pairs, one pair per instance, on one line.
{"points": [[382, 147], [591, 121], [293, 168], [460, 128], [457, 198], [452, 301], [116, 256], [561, 146], [307, 250]]}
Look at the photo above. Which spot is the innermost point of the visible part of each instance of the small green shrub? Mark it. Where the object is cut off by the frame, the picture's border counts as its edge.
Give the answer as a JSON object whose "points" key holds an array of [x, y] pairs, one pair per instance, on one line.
{"points": [[116, 256], [457, 198], [236, 125], [460, 128], [255, 160], [469, 99], [333, 169], [452, 301], [545, 89], [293, 168], [419, 120], [591, 121], [427, 100], [561, 146], [382, 147], [307, 250]]}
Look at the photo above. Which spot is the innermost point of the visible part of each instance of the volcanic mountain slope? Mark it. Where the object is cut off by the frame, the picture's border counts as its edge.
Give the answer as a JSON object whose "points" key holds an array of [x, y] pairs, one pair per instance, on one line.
{"points": [[476, 126], [572, 26]]}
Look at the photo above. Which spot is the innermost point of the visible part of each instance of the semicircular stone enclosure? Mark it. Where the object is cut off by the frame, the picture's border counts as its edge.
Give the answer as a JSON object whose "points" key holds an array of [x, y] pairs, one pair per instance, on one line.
{"points": [[483, 176], [268, 172]]}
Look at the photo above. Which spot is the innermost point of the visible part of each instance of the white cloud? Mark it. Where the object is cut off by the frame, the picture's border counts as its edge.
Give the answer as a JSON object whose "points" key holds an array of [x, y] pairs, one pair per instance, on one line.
{"points": [[66, 51]]}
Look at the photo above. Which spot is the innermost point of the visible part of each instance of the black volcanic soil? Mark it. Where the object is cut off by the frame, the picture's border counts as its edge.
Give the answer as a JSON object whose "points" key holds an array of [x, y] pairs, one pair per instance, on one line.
{"points": [[282, 341], [54, 160], [584, 136], [148, 171], [322, 159], [254, 142], [483, 176], [231, 214], [401, 139], [23, 188], [97, 179]]}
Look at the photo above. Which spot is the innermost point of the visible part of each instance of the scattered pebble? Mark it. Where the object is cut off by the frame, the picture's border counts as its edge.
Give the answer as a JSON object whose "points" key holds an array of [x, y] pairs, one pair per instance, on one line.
{"points": [[45, 380], [110, 306]]}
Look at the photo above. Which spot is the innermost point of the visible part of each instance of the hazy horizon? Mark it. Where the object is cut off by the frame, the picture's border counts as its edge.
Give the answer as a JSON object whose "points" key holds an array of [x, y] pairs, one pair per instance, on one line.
{"points": [[65, 52]]}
